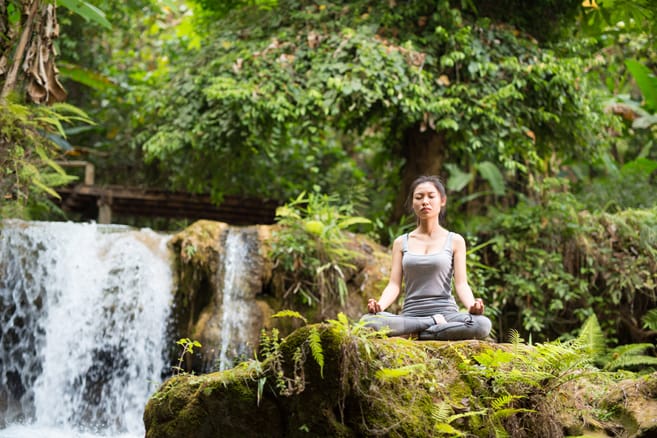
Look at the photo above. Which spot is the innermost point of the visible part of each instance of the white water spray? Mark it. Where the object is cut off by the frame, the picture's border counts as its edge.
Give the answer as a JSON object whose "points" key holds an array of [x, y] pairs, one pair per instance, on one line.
{"points": [[83, 314]]}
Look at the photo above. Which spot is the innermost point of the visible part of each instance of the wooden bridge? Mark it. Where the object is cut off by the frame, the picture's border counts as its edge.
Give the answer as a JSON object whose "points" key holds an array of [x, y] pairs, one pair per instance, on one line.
{"points": [[103, 202]]}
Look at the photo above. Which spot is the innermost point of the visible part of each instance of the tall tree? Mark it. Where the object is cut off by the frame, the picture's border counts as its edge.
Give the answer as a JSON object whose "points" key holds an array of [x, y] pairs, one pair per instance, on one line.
{"points": [[395, 86]]}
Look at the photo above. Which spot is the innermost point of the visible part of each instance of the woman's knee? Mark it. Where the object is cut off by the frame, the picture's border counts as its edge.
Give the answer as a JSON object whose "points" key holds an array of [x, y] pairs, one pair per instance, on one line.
{"points": [[481, 327]]}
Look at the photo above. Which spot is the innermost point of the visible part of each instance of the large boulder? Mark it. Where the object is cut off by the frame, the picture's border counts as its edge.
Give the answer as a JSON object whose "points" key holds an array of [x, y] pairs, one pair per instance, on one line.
{"points": [[339, 379]]}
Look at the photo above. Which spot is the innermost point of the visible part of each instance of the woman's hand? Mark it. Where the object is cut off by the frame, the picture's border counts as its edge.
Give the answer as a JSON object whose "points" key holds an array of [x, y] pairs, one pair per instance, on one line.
{"points": [[373, 306], [477, 308]]}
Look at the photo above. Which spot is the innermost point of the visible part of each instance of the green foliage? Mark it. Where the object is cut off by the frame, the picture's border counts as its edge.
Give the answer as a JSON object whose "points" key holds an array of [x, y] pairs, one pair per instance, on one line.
{"points": [[556, 263], [87, 11], [273, 361], [109, 71], [187, 346], [621, 188], [315, 343], [623, 357], [28, 153], [646, 81], [326, 94], [290, 314], [309, 249]]}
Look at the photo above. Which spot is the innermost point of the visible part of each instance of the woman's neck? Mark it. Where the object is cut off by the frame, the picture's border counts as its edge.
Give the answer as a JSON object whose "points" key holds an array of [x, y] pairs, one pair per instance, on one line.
{"points": [[431, 228]]}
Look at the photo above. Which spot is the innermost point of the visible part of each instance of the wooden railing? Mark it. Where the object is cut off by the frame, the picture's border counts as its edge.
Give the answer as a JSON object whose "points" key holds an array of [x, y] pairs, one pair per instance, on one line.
{"points": [[105, 202]]}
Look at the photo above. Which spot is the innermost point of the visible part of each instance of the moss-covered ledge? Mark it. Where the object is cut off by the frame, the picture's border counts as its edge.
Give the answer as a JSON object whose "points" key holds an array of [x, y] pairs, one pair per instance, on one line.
{"points": [[337, 379]]}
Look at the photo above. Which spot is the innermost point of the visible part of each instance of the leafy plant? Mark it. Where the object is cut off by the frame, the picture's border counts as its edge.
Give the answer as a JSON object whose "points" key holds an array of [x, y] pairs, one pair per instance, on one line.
{"points": [[623, 357], [557, 262], [188, 346], [272, 358], [309, 249], [28, 153]]}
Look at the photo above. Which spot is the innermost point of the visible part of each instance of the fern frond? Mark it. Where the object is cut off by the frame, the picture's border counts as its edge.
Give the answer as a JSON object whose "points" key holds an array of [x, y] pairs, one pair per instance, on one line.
{"points": [[315, 342], [395, 373], [446, 429], [504, 400], [632, 362], [650, 319], [290, 314], [440, 412], [592, 338], [500, 432], [505, 413], [630, 356], [514, 337], [467, 414]]}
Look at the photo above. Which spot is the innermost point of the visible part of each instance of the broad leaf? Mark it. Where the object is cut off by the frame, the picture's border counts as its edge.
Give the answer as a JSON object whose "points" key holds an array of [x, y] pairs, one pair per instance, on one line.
{"points": [[87, 11], [646, 81], [492, 174]]}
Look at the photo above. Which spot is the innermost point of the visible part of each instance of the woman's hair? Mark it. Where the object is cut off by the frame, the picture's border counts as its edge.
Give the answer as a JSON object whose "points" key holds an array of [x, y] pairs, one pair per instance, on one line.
{"points": [[421, 180]]}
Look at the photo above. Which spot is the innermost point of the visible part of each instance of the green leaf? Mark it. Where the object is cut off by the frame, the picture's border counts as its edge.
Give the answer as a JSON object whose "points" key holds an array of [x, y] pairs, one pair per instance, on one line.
{"points": [[84, 76], [592, 337], [457, 178], [646, 81], [640, 166], [289, 314], [315, 342], [45, 188], [352, 221], [650, 319], [492, 174], [87, 11]]}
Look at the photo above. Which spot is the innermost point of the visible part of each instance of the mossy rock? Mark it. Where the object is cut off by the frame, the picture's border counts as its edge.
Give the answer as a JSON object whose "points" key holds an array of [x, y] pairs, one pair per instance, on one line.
{"points": [[338, 379]]}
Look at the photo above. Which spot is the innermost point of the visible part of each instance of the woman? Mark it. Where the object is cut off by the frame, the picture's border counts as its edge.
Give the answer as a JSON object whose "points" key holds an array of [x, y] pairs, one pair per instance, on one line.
{"points": [[428, 258]]}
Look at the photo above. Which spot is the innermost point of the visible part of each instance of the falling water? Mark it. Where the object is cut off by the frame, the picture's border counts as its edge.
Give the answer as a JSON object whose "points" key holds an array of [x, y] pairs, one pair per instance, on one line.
{"points": [[83, 312], [236, 311]]}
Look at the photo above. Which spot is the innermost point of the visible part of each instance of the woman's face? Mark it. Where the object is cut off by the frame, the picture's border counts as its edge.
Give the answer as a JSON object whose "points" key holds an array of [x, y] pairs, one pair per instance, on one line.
{"points": [[427, 201]]}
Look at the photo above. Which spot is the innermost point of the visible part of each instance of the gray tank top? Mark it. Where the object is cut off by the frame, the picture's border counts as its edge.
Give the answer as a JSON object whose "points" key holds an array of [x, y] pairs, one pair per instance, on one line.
{"points": [[428, 280]]}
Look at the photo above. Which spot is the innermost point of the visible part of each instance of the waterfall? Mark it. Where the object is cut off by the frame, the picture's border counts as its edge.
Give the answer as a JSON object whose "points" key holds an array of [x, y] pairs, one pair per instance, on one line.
{"points": [[83, 316], [237, 312]]}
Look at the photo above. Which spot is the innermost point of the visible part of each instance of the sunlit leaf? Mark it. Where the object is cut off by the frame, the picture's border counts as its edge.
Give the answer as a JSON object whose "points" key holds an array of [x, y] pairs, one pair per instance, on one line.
{"points": [[87, 11]]}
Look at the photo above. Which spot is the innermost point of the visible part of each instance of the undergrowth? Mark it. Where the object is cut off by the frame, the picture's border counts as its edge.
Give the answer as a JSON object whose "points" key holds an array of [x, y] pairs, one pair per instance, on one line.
{"points": [[398, 387]]}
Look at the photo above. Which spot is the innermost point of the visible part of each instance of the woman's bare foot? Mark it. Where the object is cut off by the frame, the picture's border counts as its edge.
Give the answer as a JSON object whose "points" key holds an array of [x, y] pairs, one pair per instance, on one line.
{"points": [[440, 319]]}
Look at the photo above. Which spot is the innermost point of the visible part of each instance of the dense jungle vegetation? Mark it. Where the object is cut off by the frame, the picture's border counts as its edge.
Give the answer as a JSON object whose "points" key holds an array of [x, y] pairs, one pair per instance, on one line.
{"points": [[540, 117]]}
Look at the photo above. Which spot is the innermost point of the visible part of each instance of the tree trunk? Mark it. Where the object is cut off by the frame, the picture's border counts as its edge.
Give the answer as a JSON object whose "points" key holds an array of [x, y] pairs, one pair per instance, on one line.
{"points": [[424, 153]]}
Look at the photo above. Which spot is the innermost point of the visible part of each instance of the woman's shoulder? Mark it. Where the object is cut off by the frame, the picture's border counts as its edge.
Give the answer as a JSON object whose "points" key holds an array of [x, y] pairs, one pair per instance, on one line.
{"points": [[457, 240], [399, 241]]}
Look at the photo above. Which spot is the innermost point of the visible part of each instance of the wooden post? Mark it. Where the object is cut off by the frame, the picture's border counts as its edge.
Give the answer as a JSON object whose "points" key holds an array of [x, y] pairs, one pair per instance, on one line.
{"points": [[105, 209]]}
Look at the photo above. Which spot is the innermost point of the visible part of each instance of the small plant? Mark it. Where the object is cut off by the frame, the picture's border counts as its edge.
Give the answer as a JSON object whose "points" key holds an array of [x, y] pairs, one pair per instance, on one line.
{"points": [[309, 249], [188, 346]]}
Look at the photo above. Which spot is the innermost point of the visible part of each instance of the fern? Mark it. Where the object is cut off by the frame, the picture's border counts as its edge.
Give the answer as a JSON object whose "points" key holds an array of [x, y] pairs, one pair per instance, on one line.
{"points": [[650, 319], [290, 314], [315, 342], [504, 400], [630, 356], [592, 337], [441, 411], [395, 373], [447, 429]]}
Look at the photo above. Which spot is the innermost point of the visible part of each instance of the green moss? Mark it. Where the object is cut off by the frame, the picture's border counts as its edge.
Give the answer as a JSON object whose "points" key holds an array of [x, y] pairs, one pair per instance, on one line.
{"points": [[393, 387]]}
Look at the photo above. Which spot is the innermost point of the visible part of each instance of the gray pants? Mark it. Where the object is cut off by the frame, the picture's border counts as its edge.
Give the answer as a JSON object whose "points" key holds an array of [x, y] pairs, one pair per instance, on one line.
{"points": [[459, 326]]}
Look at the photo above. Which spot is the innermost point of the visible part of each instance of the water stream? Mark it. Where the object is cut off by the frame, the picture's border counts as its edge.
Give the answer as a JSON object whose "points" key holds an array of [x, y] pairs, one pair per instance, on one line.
{"points": [[83, 316], [236, 311]]}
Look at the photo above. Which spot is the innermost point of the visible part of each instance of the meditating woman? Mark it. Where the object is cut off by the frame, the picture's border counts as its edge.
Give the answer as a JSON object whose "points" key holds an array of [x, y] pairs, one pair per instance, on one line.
{"points": [[427, 259]]}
